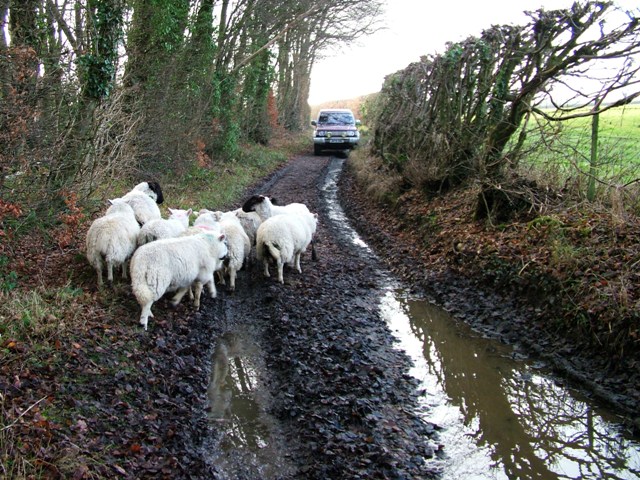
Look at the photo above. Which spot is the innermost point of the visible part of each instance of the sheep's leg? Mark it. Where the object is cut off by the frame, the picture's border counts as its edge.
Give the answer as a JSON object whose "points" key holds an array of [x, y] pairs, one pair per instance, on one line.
{"points": [[266, 267], [221, 277], [178, 296], [146, 313], [296, 261], [109, 271], [280, 271], [99, 272], [232, 279], [125, 266], [198, 293], [211, 285]]}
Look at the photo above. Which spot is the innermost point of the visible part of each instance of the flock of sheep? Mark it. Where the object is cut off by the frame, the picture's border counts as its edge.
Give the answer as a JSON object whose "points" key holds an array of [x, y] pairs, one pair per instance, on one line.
{"points": [[169, 255]]}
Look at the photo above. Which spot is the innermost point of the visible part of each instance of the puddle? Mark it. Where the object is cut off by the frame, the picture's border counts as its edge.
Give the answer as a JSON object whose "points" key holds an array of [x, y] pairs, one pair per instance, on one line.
{"points": [[247, 442], [503, 418], [231, 394]]}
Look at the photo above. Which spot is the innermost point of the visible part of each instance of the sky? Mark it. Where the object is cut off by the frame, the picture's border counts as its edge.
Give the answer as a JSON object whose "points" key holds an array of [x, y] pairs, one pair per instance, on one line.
{"points": [[414, 28]]}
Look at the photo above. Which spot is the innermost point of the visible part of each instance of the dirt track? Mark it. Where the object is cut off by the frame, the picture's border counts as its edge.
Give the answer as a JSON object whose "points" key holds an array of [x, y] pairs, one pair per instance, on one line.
{"points": [[338, 390], [330, 394]]}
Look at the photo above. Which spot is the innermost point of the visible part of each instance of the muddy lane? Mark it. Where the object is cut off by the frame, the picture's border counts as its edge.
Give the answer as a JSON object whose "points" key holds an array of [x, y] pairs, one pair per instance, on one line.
{"points": [[305, 380]]}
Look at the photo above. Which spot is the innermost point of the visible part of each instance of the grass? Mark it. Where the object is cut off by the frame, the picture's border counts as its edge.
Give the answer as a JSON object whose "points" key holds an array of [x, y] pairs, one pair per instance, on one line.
{"points": [[224, 183], [565, 147], [39, 313]]}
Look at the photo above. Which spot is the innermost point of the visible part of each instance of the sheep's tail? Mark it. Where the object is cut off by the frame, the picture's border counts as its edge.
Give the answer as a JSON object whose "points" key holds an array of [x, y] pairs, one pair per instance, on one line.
{"points": [[272, 250], [142, 283], [142, 292]]}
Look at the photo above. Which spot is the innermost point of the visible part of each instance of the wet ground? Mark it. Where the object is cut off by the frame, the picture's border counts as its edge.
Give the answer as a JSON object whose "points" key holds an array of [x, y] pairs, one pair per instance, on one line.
{"points": [[307, 379], [334, 394]]}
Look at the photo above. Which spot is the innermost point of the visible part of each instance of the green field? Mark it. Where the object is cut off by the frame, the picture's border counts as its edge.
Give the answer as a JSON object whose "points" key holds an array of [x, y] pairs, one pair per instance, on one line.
{"points": [[566, 146]]}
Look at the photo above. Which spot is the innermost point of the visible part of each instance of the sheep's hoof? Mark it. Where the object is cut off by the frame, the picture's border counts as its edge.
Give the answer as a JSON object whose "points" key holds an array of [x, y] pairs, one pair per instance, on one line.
{"points": [[174, 305]]}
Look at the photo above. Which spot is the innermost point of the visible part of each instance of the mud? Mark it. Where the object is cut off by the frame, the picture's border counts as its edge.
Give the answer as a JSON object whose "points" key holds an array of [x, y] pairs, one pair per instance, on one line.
{"points": [[333, 383], [330, 395]]}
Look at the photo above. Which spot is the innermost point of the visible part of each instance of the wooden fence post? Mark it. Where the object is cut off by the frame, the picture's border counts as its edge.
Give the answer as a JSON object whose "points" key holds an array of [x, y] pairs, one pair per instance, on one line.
{"points": [[593, 160]]}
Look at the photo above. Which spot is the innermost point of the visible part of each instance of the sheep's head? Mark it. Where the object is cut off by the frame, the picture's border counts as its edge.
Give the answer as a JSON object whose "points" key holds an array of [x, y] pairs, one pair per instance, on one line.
{"points": [[218, 242], [152, 189], [206, 218], [157, 191], [250, 205], [183, 216], [117, 205]]}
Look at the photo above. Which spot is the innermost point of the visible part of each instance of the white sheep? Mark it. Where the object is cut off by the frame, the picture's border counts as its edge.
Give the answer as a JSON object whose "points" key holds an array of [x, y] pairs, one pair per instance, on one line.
{"points": [[250, 221], [160, 228], [175, 264], [111, 239], [265, 208], [238, 241], [144, 198], [284, 238], [207, 218]]}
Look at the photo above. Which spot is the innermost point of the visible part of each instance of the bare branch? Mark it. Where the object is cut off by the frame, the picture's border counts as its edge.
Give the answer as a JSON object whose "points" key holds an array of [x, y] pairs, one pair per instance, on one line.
{"points": [[53, 10]]}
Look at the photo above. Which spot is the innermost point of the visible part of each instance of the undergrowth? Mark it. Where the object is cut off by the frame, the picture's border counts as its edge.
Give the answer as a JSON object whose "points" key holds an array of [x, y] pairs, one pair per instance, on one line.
{"points": [[575, 263]]}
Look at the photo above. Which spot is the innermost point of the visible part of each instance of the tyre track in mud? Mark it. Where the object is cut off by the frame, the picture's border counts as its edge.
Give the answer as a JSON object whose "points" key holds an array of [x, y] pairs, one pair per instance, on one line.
{"points": [[332, 390]]}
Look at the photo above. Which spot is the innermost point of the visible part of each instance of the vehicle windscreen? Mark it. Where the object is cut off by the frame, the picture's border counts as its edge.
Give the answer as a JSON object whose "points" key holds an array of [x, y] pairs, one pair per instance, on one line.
{"points": [[336, 118]]}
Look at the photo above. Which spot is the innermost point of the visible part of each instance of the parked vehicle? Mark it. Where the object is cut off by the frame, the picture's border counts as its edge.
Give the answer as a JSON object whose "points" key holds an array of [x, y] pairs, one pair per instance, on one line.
{"points": [[335, 129]]}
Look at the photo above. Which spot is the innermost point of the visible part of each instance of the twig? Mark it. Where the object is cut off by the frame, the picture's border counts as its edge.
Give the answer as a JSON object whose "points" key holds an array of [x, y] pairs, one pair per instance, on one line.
{"points": [[22, 414]]}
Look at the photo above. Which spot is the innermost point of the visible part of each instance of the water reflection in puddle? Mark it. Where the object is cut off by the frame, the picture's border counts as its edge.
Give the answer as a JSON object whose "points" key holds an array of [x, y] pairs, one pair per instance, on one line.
{"points": [[501, 417], [231, 394], [246, 444]]}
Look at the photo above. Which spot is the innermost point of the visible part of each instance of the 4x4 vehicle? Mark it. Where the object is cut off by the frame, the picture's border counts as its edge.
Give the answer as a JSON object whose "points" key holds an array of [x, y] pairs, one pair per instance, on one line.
{"points": [[336, 129]]}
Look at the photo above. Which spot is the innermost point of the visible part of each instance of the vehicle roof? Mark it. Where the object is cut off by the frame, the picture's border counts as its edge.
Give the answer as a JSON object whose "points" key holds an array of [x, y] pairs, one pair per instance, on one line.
{"points": [[336, 110]]}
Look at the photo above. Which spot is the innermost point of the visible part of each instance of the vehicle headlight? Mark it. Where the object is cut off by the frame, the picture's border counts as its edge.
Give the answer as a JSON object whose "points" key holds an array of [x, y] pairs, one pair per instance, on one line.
{"points": [[320, 133], [351, 134]]}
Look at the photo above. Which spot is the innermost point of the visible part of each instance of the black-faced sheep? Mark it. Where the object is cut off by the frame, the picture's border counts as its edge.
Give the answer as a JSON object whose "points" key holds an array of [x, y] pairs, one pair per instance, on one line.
{"points": [[144, 198], [265, 208]]}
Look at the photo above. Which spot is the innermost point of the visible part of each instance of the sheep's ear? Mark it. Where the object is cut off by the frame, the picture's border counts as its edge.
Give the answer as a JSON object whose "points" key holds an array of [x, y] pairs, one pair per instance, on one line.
{"points": [[189, 212], [221, 237], [111, 202], [170, 210]]}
